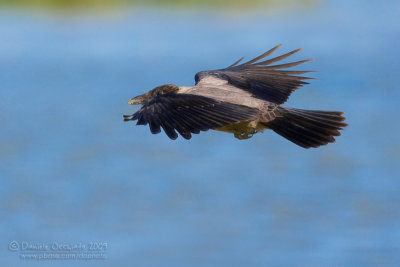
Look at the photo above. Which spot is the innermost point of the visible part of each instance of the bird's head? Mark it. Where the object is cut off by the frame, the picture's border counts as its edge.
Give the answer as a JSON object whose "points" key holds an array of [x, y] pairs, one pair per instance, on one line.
{"points": [[160, 90]]}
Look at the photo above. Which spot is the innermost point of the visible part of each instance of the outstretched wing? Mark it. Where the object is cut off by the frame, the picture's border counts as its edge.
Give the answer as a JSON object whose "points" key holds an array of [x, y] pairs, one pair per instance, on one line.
{"points": [[188, 114], [259, 78]]}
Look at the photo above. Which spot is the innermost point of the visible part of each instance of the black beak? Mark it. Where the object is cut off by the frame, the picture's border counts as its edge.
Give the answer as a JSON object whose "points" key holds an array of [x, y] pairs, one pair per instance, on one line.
{"points": [[141, 99]]}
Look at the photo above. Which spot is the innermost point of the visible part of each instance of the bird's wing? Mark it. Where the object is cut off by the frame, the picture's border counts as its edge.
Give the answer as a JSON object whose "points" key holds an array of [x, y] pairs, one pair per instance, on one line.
{"points": [[188, 114], [261, 79]]}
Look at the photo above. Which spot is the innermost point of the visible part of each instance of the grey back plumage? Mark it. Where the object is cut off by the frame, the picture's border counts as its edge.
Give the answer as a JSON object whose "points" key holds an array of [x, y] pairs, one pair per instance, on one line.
{"points": [[261, 79]]}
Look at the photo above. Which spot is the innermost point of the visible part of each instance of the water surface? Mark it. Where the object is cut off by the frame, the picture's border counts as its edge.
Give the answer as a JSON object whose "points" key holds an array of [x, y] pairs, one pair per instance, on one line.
{"points": [[72, 171]]}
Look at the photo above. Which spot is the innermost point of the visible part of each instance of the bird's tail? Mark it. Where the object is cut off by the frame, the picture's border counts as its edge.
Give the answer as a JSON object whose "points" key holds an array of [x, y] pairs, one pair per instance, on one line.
{"points": [[308, 128]]}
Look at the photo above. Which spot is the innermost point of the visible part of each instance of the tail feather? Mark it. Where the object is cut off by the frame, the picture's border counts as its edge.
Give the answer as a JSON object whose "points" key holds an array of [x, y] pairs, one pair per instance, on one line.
{"points": [[308, 128]]}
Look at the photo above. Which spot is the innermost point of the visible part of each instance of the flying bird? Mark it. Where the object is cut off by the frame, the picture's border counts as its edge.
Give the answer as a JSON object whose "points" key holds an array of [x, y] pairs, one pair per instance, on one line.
{"points": [[241, 99]]}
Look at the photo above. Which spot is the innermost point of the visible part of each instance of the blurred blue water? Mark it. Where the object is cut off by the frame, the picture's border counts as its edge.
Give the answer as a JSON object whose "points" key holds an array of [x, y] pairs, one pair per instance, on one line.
{"points": [[72, 171]]}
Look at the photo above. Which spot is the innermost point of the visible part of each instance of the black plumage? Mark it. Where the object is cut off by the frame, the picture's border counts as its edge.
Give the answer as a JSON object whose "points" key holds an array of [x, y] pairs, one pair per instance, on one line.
{"points": [[189, 114], [260, 79]]}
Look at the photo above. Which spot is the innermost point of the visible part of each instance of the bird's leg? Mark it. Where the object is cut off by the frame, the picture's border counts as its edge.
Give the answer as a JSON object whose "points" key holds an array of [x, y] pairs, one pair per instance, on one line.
{"points": [[242, 136]]}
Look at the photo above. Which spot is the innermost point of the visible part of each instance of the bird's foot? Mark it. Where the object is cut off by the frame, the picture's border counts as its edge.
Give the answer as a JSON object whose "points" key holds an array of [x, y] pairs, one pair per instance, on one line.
{"points": [[243, 136]]}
